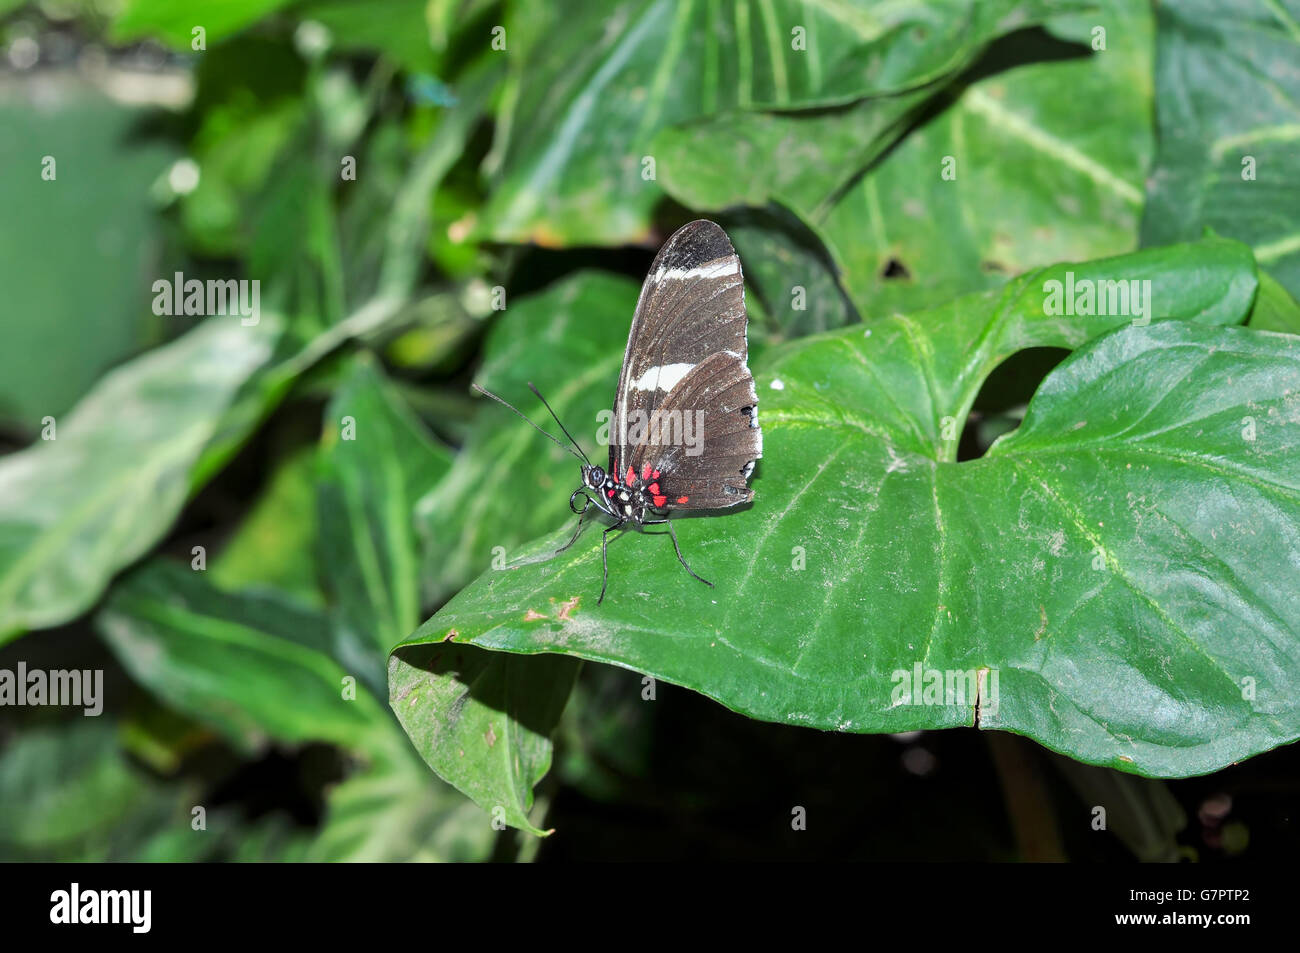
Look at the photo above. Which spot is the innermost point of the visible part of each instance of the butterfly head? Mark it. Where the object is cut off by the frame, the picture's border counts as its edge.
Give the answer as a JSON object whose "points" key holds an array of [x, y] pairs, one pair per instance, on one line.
{"points": [[596, 486], [593, 477]]}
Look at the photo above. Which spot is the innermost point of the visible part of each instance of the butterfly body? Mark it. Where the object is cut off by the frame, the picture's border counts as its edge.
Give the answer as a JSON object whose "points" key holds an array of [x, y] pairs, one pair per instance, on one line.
{"points": [[632, 497]]}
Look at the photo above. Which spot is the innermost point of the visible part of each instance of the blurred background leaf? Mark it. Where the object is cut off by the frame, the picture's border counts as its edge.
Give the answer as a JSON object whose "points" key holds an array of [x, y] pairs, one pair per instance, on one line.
{"points": [[167, 21], [77, 508], [275, 543], [271, 677], [977, 189], [1228, 119], [562, 341], [60, 335], [377, 459], [254, 665]]}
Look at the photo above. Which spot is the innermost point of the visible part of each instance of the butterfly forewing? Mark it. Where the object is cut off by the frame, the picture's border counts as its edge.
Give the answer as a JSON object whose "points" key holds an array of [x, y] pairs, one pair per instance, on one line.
{"points": [[685, 410]]}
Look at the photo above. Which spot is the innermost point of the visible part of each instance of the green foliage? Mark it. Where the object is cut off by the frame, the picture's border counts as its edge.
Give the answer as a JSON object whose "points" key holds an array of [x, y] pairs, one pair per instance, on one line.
{"points": [[70, 524], [987, 173], [377, 460], [164, 20], [1228, 117], [109, 232], [482, 721], [1045, 561], [561, 341], [306, 541], [254, 666]]}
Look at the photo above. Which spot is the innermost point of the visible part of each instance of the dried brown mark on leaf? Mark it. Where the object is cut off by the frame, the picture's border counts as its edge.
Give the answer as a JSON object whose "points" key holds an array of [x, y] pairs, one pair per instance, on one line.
{"points": [[566, 609]]}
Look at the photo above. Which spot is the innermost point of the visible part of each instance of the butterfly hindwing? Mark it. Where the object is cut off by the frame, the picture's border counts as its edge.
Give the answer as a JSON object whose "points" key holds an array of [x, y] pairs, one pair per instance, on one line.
{"points": [[710, 471]]}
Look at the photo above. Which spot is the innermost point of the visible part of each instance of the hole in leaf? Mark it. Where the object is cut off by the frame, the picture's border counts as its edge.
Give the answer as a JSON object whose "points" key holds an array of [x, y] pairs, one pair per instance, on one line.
{"points": [[1000, 404], [895, 269]]}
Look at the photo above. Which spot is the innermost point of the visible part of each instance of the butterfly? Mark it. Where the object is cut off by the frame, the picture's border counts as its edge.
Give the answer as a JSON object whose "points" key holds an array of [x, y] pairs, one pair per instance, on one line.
{"points": [[684, 434]]}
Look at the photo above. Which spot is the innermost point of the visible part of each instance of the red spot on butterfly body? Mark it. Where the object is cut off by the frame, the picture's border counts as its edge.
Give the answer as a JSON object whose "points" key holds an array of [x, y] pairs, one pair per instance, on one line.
{"points": [[654, 488], [645, 471], [682, 499], [631, 476], [610, 493], [660, 500], [655, 474]]}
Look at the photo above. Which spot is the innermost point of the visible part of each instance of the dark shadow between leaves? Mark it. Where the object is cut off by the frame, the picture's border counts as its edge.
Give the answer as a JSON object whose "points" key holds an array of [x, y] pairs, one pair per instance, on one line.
{"points": [[1000, 404]]}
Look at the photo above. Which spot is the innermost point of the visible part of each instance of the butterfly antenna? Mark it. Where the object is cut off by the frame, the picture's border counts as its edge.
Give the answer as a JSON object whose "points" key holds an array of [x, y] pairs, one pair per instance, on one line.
{"points": [[557, 420], [487, 393]]}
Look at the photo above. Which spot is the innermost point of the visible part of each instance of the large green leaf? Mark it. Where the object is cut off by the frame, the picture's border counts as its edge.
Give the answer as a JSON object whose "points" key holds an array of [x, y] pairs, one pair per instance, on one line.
{"points": [[483, 720], [978, 191], [377, 460], [569, 341], [76, 509], [1106, 575], [254, 665], [593, 91], [1228, 114]]}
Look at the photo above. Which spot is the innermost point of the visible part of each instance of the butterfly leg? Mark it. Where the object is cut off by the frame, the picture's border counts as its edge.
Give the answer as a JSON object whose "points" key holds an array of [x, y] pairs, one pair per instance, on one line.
{"points": [[673, 533], [604, 559]]}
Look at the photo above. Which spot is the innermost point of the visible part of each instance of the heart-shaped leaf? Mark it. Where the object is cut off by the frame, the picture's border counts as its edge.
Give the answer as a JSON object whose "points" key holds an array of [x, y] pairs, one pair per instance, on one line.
{"points": [[1105, 580]]}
